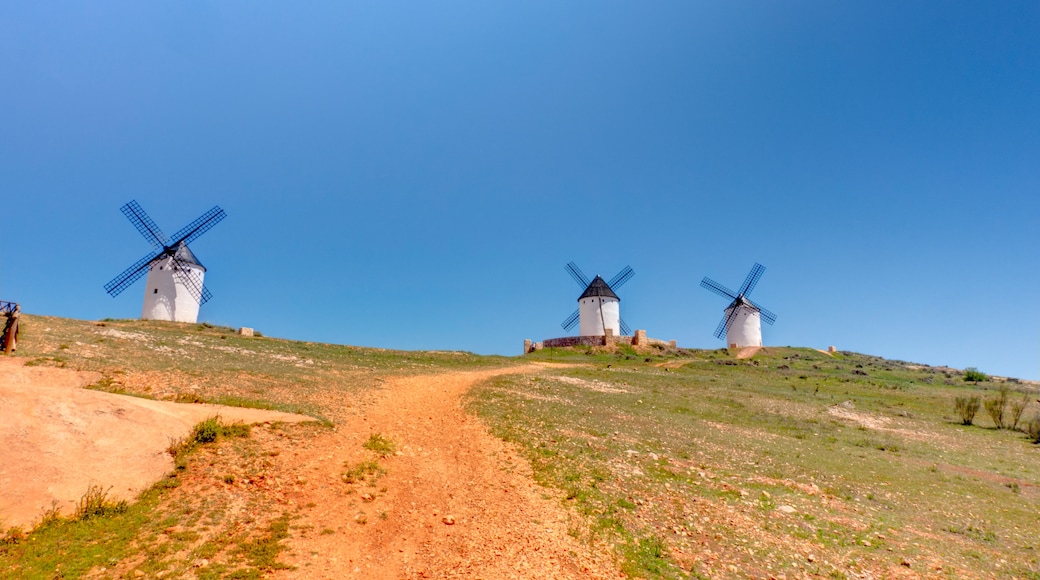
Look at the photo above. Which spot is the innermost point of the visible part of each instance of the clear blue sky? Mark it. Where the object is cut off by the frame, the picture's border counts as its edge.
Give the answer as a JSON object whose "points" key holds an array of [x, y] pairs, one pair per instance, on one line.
{"points": [[416, 174]]}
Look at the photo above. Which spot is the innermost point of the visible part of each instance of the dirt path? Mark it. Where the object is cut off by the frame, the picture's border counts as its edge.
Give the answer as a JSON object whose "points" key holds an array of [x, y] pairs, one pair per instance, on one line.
{"points": [[56, 438], [453, 502]]}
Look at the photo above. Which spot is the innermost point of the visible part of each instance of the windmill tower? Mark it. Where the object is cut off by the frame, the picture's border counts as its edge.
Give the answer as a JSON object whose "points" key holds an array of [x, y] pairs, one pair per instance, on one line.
{"points": [[599, 307], [174, 289], [742, 320]]}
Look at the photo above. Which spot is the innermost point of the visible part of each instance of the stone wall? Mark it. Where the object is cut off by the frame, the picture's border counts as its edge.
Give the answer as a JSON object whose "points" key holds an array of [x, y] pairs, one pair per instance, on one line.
{"points": [[639, 340]]}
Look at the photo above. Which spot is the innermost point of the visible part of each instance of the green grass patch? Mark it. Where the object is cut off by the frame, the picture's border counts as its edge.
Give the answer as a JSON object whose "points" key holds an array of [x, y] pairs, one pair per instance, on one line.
{"points": [[380, 445], [363, 472]]}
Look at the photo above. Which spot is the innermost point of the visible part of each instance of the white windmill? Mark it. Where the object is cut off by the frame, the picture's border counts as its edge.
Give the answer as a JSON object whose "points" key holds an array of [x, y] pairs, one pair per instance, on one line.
{"points": [[174, 289], [599, 307], [742, 320]]}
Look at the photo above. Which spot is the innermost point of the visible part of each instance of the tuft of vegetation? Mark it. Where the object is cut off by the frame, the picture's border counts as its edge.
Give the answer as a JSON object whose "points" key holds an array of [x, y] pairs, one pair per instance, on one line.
{"points": [[364, 472], [262, 552], [966, 408], [647, 557], [96, 503], [974, 375], [379, 444], [203, 433]]}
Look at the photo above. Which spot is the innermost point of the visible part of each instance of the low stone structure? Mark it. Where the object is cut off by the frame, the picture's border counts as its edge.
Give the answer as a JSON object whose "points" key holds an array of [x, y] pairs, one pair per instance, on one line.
{"points": [[638, 340], [245, 331]]}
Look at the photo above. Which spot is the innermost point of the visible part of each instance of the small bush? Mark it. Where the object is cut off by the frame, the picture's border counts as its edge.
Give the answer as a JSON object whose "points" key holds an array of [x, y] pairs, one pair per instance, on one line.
{"points": [[1033, 428], [997, 407], [206, 431], [966, 407], [1015, 410], [974, 375]]}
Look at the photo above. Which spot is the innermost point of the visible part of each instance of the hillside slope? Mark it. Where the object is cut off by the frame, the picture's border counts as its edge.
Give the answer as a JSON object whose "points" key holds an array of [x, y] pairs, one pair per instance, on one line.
{"points": [[666, 464]]}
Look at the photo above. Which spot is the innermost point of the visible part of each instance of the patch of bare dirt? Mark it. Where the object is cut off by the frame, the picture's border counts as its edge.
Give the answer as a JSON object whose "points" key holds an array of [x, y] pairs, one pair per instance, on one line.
{"points": [[454, 501], [748, 352], [57, 439]]}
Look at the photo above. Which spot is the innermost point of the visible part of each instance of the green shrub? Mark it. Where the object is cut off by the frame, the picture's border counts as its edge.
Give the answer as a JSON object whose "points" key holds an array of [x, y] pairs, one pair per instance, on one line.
{"points": [[974, 375], [207, 431], [966, 407]]}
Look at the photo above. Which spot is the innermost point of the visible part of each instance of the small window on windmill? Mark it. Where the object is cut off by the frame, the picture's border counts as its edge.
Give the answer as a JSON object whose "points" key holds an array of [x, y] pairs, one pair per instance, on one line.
{"points": [[156, 291]]}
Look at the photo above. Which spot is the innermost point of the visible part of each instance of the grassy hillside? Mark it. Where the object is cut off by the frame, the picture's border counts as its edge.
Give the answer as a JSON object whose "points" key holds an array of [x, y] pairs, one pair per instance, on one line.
{"points": [[792, 463], [204, 363], [690, 463]]}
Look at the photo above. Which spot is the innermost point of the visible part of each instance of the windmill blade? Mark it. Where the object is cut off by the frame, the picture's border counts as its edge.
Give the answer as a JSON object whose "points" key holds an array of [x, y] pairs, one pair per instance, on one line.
{"points": [[727, 321], [752, 279], [623, 276], [578, 275], [192, 231], [144, 224], [130, 275], [718, 288], [764, 314], [182, 272], [720, 330], [626, 330], [571, 320]]}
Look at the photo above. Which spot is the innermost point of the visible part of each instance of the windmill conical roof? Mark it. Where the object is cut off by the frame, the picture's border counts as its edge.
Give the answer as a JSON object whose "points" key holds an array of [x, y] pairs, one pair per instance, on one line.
{"points": [[598, 287], [185, 255], [741, 302]]}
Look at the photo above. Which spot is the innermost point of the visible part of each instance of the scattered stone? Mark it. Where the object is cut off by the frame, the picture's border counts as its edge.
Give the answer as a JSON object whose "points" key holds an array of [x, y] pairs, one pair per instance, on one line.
{"points": [[138, 574], [449, 520], [905, 562], [811, 557], [201, 563], [367, 497], [847, 405], [786, 509]]}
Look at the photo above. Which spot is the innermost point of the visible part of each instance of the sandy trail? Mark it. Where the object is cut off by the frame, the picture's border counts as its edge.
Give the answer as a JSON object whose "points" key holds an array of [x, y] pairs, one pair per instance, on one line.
{"points": [[56, 438], [454, 502]]}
